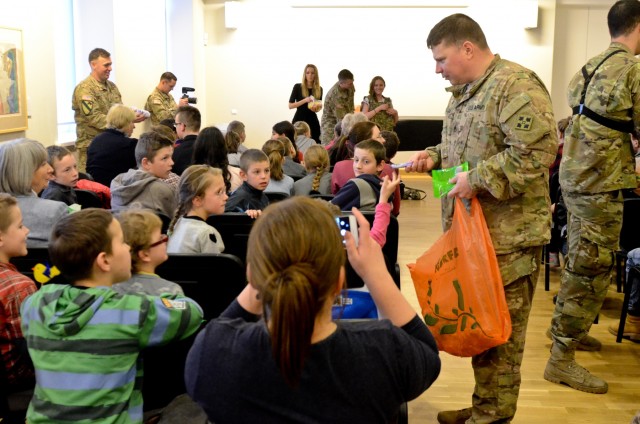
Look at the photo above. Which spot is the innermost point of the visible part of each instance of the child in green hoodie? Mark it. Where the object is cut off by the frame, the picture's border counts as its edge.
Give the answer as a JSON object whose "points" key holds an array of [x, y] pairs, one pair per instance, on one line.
{"points": [[84, 338]]}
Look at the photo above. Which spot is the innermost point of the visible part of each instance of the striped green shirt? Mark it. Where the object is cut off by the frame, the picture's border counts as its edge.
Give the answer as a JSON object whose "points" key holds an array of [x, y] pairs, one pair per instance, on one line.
{"points": [[85, 346]]}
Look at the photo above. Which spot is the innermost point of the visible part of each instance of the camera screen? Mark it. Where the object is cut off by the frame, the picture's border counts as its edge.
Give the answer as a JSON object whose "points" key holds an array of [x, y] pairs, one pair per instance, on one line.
{"points": [[343, 225]]}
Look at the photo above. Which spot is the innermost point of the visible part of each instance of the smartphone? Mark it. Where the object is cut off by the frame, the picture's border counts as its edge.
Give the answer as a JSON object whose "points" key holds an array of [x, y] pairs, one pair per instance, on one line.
{"points": [[401, 165], [348, 223]]}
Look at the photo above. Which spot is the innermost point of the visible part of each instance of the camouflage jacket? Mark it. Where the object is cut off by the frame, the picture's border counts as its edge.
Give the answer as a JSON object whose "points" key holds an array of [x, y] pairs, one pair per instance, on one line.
{"points": [[503, 125], [91, 101], [337, 104], [598, 159], [383, 119], [161, 106]]}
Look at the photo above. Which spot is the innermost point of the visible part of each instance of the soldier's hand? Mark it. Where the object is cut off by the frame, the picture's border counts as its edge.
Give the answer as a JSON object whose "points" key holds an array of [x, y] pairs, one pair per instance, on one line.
{"points": [[183, 102], [420, 162], [462, 188]]}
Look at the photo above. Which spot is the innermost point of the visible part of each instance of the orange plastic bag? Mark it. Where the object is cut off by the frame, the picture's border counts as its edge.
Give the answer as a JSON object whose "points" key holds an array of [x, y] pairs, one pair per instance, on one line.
{"points": [[459, 287]]}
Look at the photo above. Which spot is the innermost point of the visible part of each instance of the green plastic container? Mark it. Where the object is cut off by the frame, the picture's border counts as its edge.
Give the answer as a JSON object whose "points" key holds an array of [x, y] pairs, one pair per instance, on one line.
{"points": [[441, 177]]}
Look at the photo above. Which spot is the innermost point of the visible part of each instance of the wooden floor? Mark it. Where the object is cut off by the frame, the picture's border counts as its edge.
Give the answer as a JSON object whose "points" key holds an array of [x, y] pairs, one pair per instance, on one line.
{"points": [[540, 401]]}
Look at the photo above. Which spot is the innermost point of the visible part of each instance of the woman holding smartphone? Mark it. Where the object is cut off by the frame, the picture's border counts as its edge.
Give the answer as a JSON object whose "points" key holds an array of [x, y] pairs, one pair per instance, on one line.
{"points": [[276, 355]]}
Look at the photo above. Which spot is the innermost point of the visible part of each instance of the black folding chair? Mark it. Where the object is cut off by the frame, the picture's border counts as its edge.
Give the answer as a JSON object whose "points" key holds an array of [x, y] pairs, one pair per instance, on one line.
{"points": [[26, 265], [276, 197], [212, 280], [88, 199], [234, 227], [629, 237], [634, 273], [390, 251]]}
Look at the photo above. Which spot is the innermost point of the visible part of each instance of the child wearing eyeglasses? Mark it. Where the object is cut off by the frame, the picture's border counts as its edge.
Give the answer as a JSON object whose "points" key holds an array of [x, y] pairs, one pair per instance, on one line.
{"points": [[142, 231], [201, 193]]}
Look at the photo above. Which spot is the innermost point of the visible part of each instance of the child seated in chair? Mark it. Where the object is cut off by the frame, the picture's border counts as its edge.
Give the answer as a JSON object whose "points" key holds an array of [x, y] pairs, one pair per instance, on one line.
{"points": [[202, 193], [255, 173], [66, 179], [363, 192], [85, 338], [142, 232], [143, 187], [318, 179], [14, 288]]}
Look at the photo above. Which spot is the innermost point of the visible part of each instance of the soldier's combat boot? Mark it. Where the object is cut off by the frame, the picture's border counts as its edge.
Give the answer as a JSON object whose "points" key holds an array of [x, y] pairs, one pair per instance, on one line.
{"points": [[454, 417], [631, 329], [587, 343], [562, 368]]}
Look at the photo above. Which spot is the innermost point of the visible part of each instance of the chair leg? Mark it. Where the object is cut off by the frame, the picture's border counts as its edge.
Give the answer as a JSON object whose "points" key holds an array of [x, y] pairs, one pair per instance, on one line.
{"points": [[547, 267], [623, 313], [620, 271]]}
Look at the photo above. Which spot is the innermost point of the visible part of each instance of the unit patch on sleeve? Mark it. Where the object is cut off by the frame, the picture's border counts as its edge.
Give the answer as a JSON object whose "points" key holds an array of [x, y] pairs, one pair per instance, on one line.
{"points": [[524, 122]]}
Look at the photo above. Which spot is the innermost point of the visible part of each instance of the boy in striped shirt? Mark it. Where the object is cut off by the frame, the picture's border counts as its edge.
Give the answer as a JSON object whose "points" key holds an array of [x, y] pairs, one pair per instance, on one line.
{"points": [[84, 338]]}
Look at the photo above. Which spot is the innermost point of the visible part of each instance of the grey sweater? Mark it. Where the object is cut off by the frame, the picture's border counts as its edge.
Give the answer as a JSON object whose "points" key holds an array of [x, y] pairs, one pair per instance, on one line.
{"points": [[140, 189]]}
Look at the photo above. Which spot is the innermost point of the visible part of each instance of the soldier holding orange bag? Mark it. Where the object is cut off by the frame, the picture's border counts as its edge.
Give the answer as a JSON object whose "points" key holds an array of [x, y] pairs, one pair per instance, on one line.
{"points": [[500, 120]]}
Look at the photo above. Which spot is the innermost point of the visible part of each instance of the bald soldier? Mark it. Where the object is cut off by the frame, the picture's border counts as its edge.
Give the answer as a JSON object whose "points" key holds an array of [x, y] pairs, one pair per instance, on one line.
{"points": [[91, 101], [160, 103], [499, 119]]}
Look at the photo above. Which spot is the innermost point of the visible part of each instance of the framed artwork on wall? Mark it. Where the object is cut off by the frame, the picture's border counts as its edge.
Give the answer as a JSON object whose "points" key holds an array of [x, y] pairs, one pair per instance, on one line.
{"points": [[13, 95]]}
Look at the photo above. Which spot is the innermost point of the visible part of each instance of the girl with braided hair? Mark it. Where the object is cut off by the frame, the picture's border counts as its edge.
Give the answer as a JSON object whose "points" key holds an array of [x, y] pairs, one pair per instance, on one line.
{"points": [[318, 179], [201, 193], [276, 355]]}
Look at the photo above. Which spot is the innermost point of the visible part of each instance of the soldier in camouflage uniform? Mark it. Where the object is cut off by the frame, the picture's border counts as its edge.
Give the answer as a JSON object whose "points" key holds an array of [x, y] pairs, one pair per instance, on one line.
{"points": [[91, 101], [499, 119], [337, 104], [160, 103], [596, 165]]}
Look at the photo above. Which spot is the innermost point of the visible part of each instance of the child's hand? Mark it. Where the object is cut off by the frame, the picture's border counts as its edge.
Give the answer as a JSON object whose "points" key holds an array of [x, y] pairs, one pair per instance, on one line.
{"points": [[388, 187], [254, 213]]}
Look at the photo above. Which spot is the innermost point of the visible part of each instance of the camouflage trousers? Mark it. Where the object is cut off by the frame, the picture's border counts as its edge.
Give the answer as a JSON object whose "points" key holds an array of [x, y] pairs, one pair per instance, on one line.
{"points": [[328, 127], [81, 147], [497, 370], [593, 232]]}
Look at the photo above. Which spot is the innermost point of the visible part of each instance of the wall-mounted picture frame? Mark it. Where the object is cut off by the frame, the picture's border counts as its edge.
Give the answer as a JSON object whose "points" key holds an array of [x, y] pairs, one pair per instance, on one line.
{"points": [[13, 93]]}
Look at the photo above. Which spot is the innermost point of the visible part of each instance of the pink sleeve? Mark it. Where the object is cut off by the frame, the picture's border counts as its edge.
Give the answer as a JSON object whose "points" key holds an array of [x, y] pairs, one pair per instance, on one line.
{"points": [[381, 223], [389, 171]]}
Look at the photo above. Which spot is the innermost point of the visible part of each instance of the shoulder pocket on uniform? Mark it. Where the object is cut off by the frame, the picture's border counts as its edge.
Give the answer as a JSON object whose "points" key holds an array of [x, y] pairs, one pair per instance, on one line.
{"points": [[514, 106]]}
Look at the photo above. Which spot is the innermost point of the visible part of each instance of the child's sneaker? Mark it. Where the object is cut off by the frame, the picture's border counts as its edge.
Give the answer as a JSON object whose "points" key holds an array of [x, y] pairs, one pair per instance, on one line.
{"points": [[554, 260]]}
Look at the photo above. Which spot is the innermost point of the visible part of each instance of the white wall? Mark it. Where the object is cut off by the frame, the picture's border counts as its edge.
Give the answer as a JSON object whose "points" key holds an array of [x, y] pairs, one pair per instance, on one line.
{"points": [[38, 42], [253, 68], [581, 33]]}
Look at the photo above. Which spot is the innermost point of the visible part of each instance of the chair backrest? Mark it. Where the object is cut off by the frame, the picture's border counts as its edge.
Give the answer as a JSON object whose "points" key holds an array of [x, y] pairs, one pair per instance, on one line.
{"points": [[234, 227], [276, 197], [166, 221], [390, 251], [212, 280], [35, 256], [88, 199], [630, 233]]}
